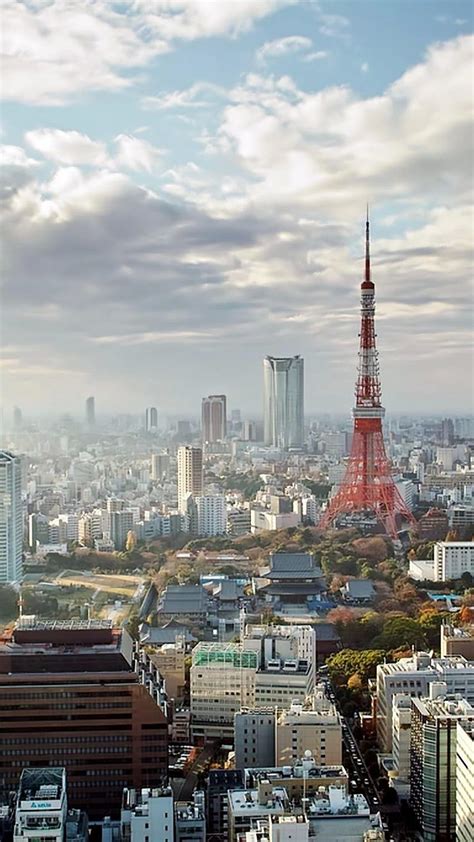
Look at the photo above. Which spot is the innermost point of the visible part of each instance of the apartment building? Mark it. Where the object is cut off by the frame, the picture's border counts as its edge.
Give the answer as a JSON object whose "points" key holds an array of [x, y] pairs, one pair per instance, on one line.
{"points": [[413, 676]]}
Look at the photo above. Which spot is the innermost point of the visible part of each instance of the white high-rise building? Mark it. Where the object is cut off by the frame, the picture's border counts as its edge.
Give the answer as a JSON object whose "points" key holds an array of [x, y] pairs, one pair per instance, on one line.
{"points": [[211, 515], [452, 559], [190, 478], [283, 401], [11, 518], [413, 676]]}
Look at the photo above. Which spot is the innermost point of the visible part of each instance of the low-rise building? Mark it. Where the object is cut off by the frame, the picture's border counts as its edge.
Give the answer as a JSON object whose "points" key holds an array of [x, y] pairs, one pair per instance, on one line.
{"points": [[41, 807], [188, 602], [358, 591], [147, 814], [254, 735], [318, 730], [190, 819], [457, 641], [295, 791]]}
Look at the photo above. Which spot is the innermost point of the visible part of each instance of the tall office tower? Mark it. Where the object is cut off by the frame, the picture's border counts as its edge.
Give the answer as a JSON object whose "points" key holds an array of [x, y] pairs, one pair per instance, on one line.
{"points": [[17, 418], [11, 518], [214, 418], [72, 695], [190, 479], [433, 760], [464, 782], [151, 419], [447, 431], [283, 382], [368, 485], [90, 411]]}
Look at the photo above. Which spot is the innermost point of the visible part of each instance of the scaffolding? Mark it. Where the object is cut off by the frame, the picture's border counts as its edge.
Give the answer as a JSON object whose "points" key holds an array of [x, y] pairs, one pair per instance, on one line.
{"points": [[229, 654]]}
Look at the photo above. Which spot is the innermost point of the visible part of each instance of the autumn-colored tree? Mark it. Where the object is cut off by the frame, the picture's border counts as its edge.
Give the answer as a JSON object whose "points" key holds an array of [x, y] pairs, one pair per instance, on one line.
{"points": [[131, 542], [355, 682], [374, 549], [341, 615]]}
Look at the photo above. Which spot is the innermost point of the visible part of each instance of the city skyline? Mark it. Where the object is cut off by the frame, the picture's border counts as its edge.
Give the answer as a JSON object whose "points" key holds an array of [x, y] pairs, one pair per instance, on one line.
{"points": [[198, 194]]}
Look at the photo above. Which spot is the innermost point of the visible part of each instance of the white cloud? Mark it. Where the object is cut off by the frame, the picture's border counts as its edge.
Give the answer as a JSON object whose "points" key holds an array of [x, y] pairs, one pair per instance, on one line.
{"points": [[364, 68], [15, 156], [136, 154], [334, 147], [56, 50], [268, 251], [317, 56], [334, 26], [67, 147], [283, 47], [193, 97]]}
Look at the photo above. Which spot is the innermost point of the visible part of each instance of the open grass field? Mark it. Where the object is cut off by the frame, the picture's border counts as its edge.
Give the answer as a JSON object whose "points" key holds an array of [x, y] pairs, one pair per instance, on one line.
{"points": [[122, 585]]}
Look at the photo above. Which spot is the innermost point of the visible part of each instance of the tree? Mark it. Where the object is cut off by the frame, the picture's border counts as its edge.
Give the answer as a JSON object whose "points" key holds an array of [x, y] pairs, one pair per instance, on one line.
{"points": [[8, 602], [342, 665], [131, 542], [400, 631], [133, 624], [355, 682]]}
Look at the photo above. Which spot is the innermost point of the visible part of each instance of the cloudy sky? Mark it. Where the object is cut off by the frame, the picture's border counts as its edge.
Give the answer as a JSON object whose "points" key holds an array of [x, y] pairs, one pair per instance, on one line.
{"points": [[184, 189]]}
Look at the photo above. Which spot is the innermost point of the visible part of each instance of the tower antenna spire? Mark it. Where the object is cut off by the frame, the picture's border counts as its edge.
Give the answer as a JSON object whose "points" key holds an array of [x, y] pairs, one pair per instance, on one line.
{"points": [[368, 487], [367, 247]]}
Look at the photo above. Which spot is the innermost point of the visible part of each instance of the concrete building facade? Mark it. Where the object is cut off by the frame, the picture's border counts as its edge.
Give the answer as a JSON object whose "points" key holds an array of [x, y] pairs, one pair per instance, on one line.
{"points": [[190, 476], [283, 401], [464, 782], [214, 418]]}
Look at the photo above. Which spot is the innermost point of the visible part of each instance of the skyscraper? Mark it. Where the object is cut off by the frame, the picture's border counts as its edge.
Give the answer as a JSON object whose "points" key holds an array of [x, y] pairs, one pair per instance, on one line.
{"points": [[11, 518], [90, 411], [283, 401], [17, 418], [151, 419], [189, 474], [214, 418]]}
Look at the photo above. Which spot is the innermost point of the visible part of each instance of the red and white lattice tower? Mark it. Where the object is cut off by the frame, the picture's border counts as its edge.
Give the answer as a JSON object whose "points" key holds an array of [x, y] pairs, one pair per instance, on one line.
{"points": [[368, 485]]}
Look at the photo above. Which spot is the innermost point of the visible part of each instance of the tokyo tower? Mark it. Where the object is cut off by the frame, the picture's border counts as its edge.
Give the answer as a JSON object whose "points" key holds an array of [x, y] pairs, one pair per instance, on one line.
{"points": [[368, 485]]}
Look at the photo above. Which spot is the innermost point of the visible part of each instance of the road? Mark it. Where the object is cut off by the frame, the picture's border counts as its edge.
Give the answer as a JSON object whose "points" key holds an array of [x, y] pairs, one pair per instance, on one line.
{"points": [[183, 789], [360, 777]]}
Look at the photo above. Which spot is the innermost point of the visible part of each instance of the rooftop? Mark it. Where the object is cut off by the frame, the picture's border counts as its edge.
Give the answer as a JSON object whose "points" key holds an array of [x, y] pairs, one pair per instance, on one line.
{"points": [[42, 783], [293, 565], [359, 588], [37, 624], [424, 662]]}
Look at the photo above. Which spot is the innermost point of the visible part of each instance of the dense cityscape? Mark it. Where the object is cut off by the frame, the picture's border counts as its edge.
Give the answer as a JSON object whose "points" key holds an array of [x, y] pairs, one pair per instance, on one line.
{"points": [[245, 616]]}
